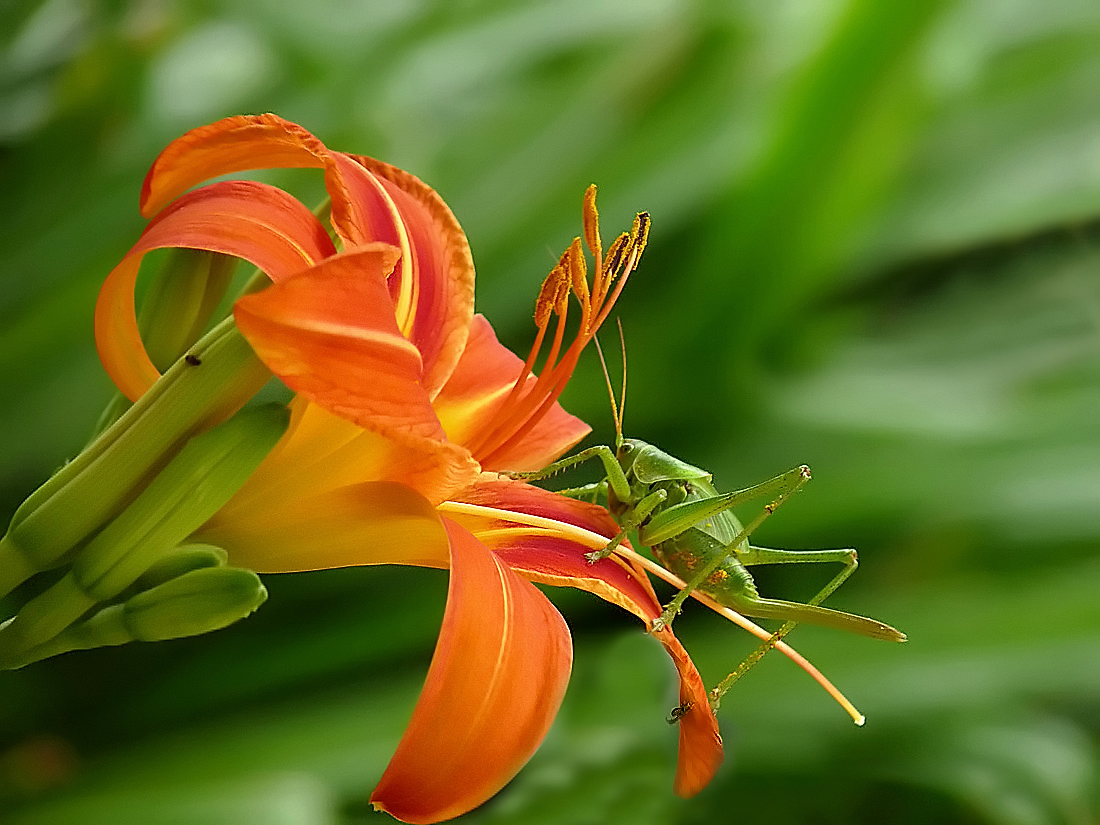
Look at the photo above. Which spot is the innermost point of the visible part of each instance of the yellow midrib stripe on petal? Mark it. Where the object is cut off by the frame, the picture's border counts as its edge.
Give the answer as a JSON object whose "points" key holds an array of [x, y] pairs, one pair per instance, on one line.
{"points": [[358, 333]]}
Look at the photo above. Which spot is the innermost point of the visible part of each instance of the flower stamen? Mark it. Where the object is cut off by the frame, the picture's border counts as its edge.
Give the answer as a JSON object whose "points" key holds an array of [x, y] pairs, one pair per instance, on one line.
{"points": [[528, 402]]}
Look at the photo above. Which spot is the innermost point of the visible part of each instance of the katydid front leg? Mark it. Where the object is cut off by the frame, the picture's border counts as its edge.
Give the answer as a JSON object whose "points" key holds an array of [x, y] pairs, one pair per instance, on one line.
{"points": [[616, 478], [630, 520], [591, 493]]}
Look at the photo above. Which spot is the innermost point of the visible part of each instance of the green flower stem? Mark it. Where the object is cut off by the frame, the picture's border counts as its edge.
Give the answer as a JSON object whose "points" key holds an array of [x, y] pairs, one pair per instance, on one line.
{"points": [[181, 301]]}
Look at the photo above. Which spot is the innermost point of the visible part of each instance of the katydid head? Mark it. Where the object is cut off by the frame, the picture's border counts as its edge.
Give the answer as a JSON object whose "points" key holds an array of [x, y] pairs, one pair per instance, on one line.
{"points": [[649, 465]]}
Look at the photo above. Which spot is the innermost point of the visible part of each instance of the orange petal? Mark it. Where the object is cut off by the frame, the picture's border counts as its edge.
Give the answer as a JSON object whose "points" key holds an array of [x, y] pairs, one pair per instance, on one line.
{"points": [[434, 296], [475, 392], [376, 522], [322, 451], [244, 142], [494, 686], [700, 743], [329, 334], [550, 555], [259, 223], [234, 144], [558, 559]]}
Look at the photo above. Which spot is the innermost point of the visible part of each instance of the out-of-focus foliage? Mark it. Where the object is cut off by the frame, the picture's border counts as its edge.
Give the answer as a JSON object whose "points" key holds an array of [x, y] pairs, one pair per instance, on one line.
{"points": [[874, 250]]}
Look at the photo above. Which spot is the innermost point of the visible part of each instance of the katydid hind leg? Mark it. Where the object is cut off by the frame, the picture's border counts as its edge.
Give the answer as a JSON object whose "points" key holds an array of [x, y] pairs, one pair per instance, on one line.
{"points": [[761, 608], [765, 555]]}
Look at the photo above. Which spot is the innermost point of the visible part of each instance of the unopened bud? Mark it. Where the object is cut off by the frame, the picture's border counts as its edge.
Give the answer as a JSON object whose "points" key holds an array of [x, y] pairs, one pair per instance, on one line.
{"points": [[181, 300], [197, 602]]}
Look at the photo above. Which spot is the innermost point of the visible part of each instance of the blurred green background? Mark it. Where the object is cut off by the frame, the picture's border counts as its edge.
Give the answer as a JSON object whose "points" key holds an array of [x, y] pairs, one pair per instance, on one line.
{"points": [[874, 250]]}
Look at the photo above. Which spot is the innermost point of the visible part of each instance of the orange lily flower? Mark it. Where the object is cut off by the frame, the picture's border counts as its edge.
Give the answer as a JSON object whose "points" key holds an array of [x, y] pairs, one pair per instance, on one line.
{"points": [[406, 408]]}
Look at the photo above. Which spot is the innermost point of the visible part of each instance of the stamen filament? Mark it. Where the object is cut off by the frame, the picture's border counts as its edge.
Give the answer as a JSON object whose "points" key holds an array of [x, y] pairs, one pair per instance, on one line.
{"points": [[525, 406]]}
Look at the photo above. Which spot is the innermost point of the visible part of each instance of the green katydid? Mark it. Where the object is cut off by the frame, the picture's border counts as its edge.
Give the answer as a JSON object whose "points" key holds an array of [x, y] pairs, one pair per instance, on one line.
{"points": [[688, 525]]}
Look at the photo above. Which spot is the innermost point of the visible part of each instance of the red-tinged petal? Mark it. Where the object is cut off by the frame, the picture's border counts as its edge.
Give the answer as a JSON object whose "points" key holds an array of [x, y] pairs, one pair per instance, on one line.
{"points": [[700, 743], [434, 296], [253, 221], [362, 212], [321, 451], [556, 556], [475, 392], [373, 522], [329, 334], [494, 686]]}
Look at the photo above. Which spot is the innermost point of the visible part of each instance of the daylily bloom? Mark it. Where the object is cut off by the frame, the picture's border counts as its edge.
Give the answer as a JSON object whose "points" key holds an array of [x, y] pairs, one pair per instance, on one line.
{"points": [[407, 409]]}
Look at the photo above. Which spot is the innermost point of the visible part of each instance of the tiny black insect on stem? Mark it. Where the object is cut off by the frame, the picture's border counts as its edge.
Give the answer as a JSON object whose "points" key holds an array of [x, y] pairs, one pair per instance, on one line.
{"points": [[193, 360], [679, 712]]}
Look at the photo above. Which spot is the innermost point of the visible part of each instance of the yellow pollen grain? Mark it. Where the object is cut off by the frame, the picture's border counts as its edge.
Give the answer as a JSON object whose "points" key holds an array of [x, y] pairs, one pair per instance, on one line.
{"points": [[578, 272], [548, 295], [615, 255], [592, 222]]}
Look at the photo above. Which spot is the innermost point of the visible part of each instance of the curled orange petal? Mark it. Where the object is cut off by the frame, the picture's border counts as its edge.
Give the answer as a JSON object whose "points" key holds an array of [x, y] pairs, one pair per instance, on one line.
{"points": [[253, 221], [329, 333], [245, 142], [700, 743], [233, 144], [433, 288], [495, 684], [434, 295]]}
